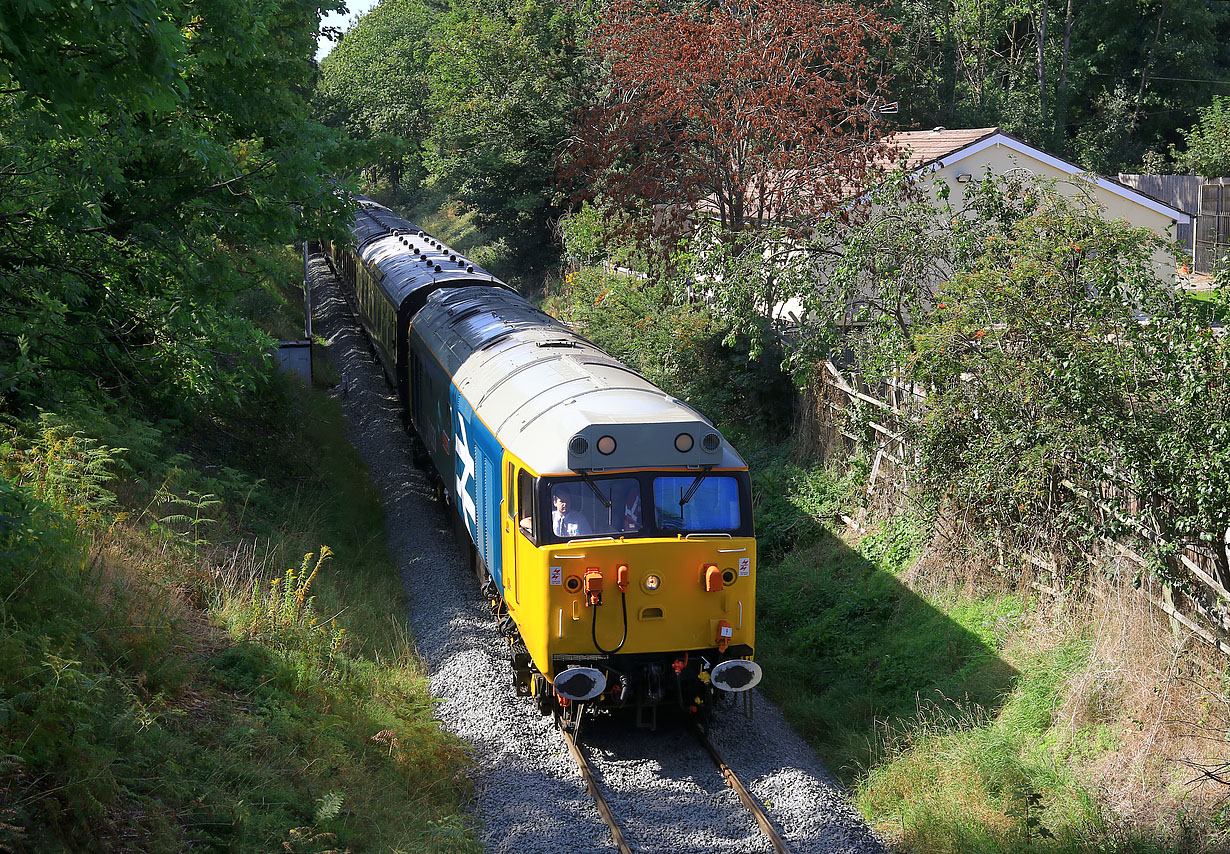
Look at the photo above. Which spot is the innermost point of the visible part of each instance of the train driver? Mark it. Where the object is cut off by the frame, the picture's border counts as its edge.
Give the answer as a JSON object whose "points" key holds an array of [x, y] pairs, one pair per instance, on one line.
{"points": [[566, 519]]}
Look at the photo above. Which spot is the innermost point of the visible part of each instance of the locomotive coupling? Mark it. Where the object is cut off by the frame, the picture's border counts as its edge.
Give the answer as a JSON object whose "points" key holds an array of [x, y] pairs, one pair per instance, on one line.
{"points": [[593, 586]]}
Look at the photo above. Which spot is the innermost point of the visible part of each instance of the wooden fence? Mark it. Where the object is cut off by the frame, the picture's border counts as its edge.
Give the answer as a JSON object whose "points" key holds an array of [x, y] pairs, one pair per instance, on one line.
{"points": [[1199, 602], [1180, 191]]}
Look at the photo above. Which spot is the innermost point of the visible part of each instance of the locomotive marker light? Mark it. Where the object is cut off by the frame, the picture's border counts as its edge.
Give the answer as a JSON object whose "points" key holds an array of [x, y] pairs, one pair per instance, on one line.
{"points": [[606, 445], [683, 442], [580, 684], [736, 675], [622, 576]]}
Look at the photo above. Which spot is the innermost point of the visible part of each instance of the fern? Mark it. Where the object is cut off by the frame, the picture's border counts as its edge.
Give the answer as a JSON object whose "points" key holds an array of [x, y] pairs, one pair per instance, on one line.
{"points": [[328, 808]]}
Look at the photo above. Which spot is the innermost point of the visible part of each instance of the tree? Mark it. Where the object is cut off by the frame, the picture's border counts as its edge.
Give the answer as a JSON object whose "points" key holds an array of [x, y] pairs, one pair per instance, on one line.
{"points": [[374, 86], [505, 80], [1057, 360], [149, 148], [1207, 151], [755, 113]]}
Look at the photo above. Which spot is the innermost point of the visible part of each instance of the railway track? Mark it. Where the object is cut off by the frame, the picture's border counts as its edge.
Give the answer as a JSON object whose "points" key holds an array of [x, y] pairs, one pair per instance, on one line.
{"points": [[731, 779]]}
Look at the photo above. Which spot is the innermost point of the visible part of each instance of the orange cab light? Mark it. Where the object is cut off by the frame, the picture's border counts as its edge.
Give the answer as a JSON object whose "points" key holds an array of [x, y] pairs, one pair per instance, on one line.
{"points": [[713, 579], [622, 577]]}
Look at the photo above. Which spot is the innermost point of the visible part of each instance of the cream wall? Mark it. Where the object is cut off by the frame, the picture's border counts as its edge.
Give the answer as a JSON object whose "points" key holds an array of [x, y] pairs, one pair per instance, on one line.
{"points": [[1001, 160]]}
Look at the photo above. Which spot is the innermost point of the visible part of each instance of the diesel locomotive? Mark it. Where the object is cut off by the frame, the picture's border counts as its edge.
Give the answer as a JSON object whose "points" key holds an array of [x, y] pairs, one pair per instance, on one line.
{"points": [[610, 523]]}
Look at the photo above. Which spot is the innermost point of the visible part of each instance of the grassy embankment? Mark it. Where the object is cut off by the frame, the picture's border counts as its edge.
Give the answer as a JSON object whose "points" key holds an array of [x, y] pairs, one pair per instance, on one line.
{"points": [[174, 672], [965, 713]]}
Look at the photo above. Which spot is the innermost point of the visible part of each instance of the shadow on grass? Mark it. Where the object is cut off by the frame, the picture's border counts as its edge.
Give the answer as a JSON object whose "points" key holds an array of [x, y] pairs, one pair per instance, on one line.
{"points": [[850, 652]]}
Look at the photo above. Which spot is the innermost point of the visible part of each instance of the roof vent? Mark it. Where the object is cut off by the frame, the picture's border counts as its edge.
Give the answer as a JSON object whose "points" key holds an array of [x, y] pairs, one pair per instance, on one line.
{"points": [[469, 267], [437, 268], [939, 129]]}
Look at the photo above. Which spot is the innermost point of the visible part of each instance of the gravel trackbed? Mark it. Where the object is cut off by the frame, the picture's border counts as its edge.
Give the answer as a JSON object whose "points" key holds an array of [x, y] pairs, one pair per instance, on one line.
{"points": [[662, 786]]}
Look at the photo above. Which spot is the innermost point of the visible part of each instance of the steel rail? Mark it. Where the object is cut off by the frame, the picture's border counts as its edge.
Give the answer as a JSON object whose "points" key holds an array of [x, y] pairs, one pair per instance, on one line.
{"points": [[749, 801], [604, 808]]}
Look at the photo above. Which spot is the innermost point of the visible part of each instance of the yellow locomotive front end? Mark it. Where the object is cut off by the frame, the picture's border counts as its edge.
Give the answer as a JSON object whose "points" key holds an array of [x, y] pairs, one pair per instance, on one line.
{"points": [[633, 588]]}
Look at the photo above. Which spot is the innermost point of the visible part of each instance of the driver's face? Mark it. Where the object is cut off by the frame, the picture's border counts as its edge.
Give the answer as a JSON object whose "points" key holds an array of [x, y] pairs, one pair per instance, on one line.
{"points": [[561, 504]]}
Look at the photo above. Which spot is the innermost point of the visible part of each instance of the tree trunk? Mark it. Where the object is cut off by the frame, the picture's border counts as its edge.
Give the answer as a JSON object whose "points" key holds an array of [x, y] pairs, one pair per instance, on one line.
{"points": [[1061, 95], [1042, 63], [1144, 70]]}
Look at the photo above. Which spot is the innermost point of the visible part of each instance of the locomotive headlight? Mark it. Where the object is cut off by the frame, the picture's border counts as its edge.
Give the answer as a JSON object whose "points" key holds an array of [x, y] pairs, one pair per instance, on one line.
{"points": [[683, 442], [606, 445], [652, 583]]}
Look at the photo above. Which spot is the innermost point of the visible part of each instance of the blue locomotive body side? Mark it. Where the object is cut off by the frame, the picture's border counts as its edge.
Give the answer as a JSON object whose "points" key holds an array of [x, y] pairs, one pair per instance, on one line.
{"points": [[477, 491], [466, 454]]}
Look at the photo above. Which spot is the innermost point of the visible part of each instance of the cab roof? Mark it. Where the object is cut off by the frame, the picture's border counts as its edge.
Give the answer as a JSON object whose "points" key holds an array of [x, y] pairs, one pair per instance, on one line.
{"points": [[551, 396]]}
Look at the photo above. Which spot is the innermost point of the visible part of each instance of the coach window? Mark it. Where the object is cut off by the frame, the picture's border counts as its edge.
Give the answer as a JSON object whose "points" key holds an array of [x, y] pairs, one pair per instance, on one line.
{"points": [[525, 503]]}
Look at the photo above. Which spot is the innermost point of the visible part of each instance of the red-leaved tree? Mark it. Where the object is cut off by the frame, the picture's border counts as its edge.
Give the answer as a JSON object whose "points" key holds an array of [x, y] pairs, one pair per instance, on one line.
{"points": [[753, 111]]}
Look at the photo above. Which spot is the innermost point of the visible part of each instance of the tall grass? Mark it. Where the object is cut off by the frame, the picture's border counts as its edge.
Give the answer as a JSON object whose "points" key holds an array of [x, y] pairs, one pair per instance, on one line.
{"points": [[174, 673], [969, 717]]}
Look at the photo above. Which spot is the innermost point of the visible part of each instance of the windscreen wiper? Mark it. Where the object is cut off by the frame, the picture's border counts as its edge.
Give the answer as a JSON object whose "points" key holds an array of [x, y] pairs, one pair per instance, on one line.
{"points": [[687, 496], [606, 502]]}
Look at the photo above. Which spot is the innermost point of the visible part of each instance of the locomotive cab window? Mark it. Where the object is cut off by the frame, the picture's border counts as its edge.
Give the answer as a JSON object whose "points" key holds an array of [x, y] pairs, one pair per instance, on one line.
{"points": [[696, 503], [596, 507], [509, 504], [525, 504]]}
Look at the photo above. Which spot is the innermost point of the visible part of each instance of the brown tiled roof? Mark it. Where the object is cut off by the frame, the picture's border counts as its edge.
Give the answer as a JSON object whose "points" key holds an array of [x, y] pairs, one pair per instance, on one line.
{"points": [[927, 146]]}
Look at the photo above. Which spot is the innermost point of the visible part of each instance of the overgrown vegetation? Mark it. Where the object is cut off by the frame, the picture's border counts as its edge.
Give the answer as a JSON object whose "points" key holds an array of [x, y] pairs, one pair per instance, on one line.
{"points": [[176, 672], [968, 709]]}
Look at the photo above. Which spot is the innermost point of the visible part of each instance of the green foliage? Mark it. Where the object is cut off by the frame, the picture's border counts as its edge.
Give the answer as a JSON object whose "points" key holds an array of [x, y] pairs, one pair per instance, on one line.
{"points": [[1207, 150], [128, 714], [680, 343], [1101, 84], [147, 146], [67, 470], [505, 80], [793, 504], [374, 86], [285, 616], [1045, 379], [473, 100]]}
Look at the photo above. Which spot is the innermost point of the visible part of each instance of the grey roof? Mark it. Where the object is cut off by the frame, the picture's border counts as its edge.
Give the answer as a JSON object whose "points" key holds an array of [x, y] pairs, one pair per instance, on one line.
{"points": [[537, 384], [407, 258]]}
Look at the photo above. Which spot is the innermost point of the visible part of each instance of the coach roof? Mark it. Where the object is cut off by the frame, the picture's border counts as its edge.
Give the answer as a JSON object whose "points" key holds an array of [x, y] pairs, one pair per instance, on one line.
{"points": [[404, 259]]}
